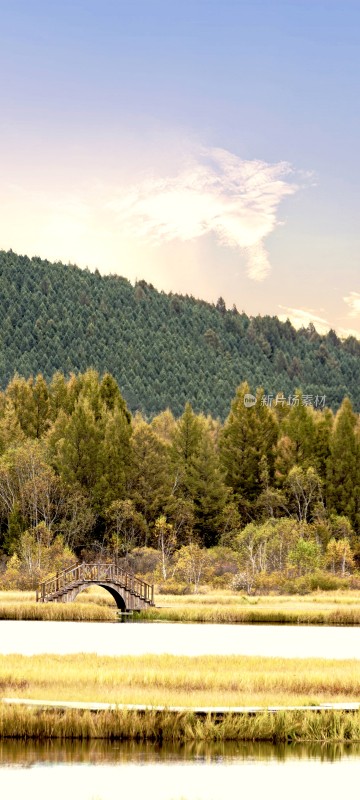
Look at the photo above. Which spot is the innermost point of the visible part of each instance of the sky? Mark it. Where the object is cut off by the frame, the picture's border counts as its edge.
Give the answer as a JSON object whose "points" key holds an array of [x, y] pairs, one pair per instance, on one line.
{"points": [[209, 147]]}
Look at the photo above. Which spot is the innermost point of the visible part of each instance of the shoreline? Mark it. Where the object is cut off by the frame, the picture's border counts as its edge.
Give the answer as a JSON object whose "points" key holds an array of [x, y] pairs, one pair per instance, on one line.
{"points": [[202, 711], [62, 612]]}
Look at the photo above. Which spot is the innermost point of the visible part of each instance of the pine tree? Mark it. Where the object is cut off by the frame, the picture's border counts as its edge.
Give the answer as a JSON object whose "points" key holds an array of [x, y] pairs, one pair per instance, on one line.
{"points": [[343, 478], [249, 436], [150, 478]]}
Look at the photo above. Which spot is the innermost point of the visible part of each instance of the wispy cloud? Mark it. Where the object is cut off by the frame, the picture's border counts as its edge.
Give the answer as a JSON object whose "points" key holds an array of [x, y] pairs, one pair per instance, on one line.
{"points": [[217, 193], [353, 301], [301, 317]]}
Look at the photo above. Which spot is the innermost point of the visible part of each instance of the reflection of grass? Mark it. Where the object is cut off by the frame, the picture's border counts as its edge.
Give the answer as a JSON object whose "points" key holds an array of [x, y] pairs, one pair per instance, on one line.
{"points": [[180, 680], [97, 751]]}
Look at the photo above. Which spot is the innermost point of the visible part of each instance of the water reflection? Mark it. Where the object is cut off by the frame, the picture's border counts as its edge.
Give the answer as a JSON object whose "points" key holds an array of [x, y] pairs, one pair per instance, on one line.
{"points": [[107, 638], [29, 753], [99, 771]]}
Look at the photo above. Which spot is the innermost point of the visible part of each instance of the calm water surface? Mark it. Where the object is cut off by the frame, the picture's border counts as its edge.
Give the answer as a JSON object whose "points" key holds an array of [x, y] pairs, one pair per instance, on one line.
{"points": [[179, 639], [212, 773]]}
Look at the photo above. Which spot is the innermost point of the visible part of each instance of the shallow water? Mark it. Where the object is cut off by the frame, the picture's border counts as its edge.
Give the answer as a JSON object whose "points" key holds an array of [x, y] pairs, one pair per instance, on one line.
{"points": [[107, 638], [200, 772]]}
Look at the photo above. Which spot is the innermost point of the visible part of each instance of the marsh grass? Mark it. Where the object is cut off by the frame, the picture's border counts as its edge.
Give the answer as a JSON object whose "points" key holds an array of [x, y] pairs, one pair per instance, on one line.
{"points": [[249, 616], [91, 605], [167, 680], [320, 608], [94, 603], [227, 597], [84, 612], [324, 727]]}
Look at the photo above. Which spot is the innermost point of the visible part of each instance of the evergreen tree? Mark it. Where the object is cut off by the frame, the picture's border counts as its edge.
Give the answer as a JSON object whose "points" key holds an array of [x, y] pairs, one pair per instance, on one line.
{"points": [[248, 439], [343, 477], [197, 474], [150, 479]]}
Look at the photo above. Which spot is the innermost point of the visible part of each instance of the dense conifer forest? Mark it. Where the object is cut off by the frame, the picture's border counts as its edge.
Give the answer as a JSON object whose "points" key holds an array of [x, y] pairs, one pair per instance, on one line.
{"points": [[163, 349]]}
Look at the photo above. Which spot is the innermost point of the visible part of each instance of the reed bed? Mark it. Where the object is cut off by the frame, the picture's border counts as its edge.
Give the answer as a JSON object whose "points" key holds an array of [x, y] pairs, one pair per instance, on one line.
{"points": [[91, 605], [227, 597], [320, 608], [200, 681], [253, 616], [78, 612], [118, 725], [94, 603]]}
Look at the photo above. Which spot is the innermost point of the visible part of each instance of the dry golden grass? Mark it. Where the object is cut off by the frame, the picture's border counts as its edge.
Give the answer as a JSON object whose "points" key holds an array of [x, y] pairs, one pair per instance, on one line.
{"points": [[318, 608], [185, 681], [229, 598], [94, 603], [292, 726]]}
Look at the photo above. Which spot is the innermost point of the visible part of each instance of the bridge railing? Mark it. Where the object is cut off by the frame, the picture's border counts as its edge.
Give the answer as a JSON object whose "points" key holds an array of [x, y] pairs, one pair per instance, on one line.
{"points": [[95, 573]]}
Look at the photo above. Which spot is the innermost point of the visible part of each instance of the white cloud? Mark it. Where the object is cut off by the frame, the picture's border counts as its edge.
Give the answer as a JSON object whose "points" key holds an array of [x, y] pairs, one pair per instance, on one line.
{"points": [[345, 332], [301, 317], [353, 301], [218, 193]]}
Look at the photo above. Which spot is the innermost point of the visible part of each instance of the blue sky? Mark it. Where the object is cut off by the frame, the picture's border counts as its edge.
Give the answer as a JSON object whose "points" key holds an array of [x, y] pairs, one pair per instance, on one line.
{"points": [[209, 147]]}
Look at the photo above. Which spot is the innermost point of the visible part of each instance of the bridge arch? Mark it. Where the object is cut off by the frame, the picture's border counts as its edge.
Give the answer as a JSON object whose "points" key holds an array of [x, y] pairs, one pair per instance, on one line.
{"points": [[119, 600]]}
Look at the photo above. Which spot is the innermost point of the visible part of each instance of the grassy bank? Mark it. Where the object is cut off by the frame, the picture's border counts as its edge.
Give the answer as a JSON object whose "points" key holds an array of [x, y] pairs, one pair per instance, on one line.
{"points": [[180, 680], [289, 726], [94, 603], [320, 608], [57, 612]]}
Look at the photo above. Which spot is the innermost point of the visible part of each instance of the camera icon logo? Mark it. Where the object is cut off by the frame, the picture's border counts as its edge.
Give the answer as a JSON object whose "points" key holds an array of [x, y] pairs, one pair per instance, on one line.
{"points": [[249, 400]]}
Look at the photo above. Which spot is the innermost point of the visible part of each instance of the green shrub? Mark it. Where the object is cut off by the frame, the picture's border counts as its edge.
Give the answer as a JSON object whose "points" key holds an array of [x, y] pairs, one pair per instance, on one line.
{"points": [[301, 585], [327, 582], [222, 581]]}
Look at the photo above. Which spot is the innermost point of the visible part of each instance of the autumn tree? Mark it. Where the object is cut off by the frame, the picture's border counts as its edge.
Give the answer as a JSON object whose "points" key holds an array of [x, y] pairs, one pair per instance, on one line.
{"points": [[339, 557], [30, 491], [192, 563], [304, 491], [166, 538], [126, 528]]}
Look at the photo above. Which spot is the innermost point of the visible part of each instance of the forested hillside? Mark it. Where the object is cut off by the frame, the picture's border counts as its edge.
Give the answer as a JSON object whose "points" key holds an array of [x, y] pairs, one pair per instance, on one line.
{"points": [[163, 350]]}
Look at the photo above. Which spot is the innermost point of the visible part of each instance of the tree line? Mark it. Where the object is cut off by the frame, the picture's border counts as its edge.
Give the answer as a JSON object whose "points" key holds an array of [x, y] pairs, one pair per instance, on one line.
{"points": [[266, 498]]}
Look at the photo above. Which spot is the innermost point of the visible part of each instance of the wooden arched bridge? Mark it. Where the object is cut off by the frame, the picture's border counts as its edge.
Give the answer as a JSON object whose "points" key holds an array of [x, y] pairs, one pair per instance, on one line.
{"points": [[129, 592]]}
